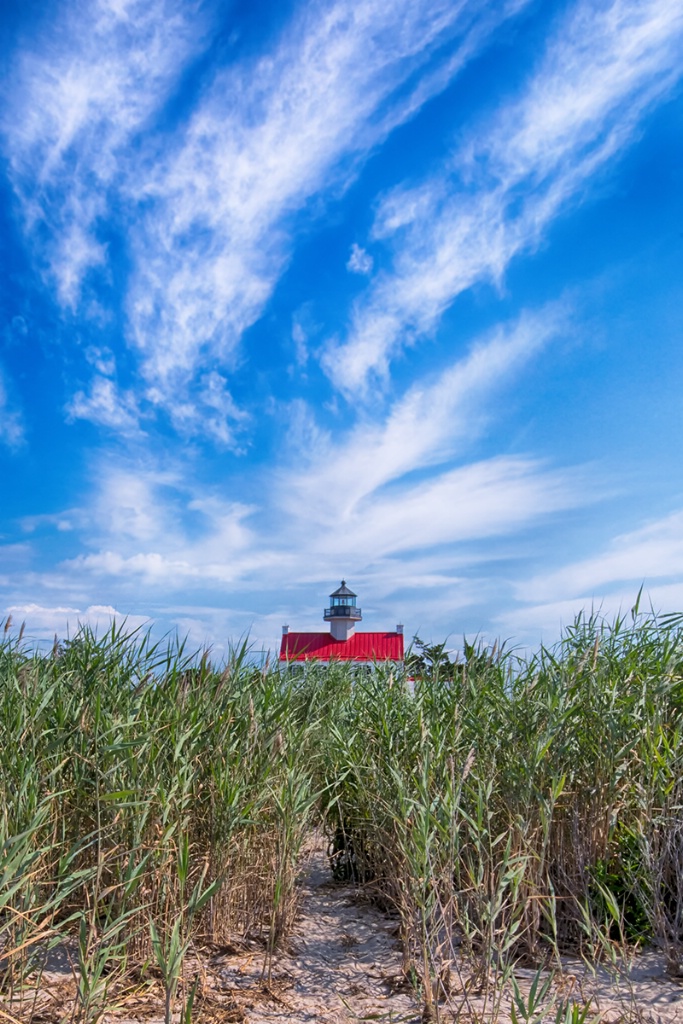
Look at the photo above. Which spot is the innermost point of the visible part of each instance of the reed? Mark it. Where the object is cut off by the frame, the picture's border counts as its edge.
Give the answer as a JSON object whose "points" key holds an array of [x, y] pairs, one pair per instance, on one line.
{"points": [[513, 809], [148, 802], [507, 808]]}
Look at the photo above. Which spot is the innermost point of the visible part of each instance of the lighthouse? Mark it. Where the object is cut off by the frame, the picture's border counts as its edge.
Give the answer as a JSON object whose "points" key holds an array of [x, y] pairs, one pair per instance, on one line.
{"points": [[342, 642], [342, 614]]}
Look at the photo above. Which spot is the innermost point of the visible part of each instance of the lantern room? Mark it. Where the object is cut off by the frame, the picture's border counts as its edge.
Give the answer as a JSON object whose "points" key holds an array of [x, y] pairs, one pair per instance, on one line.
{"points": [[342, 613]]}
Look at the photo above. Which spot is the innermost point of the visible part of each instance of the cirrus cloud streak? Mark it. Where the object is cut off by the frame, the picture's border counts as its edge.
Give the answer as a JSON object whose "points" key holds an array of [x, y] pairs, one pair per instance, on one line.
{"points": [[604, 71]]}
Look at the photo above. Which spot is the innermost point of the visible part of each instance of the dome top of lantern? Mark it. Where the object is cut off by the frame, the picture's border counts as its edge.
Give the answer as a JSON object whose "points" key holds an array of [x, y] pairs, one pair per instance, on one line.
{"points": [[343, 591]]}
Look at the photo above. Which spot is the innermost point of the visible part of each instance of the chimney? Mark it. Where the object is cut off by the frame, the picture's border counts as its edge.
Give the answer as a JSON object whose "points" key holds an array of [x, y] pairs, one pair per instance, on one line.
{"points": [[399, 628], [285, 630]]}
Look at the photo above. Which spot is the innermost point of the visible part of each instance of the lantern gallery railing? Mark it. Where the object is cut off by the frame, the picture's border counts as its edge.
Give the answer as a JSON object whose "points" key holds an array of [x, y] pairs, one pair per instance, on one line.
{"points": [[342, 611]]}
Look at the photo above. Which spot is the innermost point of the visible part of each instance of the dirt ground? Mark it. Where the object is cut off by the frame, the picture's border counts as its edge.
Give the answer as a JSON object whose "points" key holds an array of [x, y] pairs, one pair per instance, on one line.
{"points": [[343, 963]]}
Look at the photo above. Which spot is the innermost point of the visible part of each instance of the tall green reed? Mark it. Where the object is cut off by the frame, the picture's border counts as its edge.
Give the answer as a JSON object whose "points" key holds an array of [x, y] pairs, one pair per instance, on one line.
{"points": [[507, 808], [148, 800], [505, 804]]}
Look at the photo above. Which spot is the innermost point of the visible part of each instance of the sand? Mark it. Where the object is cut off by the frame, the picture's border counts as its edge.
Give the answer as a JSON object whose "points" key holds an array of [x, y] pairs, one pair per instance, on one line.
{"points": [[343, 963]]}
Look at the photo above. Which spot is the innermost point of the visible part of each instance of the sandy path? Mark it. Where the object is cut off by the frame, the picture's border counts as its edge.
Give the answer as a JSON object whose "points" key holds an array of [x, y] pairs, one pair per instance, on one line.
{"points": [[342, 962]]}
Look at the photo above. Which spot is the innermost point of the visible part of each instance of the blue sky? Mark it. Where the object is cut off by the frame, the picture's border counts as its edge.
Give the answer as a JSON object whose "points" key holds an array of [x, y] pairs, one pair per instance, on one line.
{"points": [[381, 289]]}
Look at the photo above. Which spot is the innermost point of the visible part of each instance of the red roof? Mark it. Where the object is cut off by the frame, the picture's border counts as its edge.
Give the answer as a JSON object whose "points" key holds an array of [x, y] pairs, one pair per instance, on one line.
{"points": [[358, 647]]}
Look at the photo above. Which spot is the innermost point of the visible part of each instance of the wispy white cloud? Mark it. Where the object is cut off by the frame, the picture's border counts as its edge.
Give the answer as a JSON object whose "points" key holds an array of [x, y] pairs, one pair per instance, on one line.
{"points": [[107, 406], [64, 522], [181, 542], [305, 329], [652, 552], [377, 493], [530, 623], [161, 526], [606, 67], [62, 620], [207, 410], [11, 422], [651, 557], [433, 422], [102, 358], [133, 503], [215, 202], [467, 504], [360, 261], [300, 339], [79, 96], [393, 502], [267, 136]]}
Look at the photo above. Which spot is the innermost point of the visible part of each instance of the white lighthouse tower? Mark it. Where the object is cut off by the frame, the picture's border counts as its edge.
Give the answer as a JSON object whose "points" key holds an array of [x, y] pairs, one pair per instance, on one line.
{"points": [[342, 614]]}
